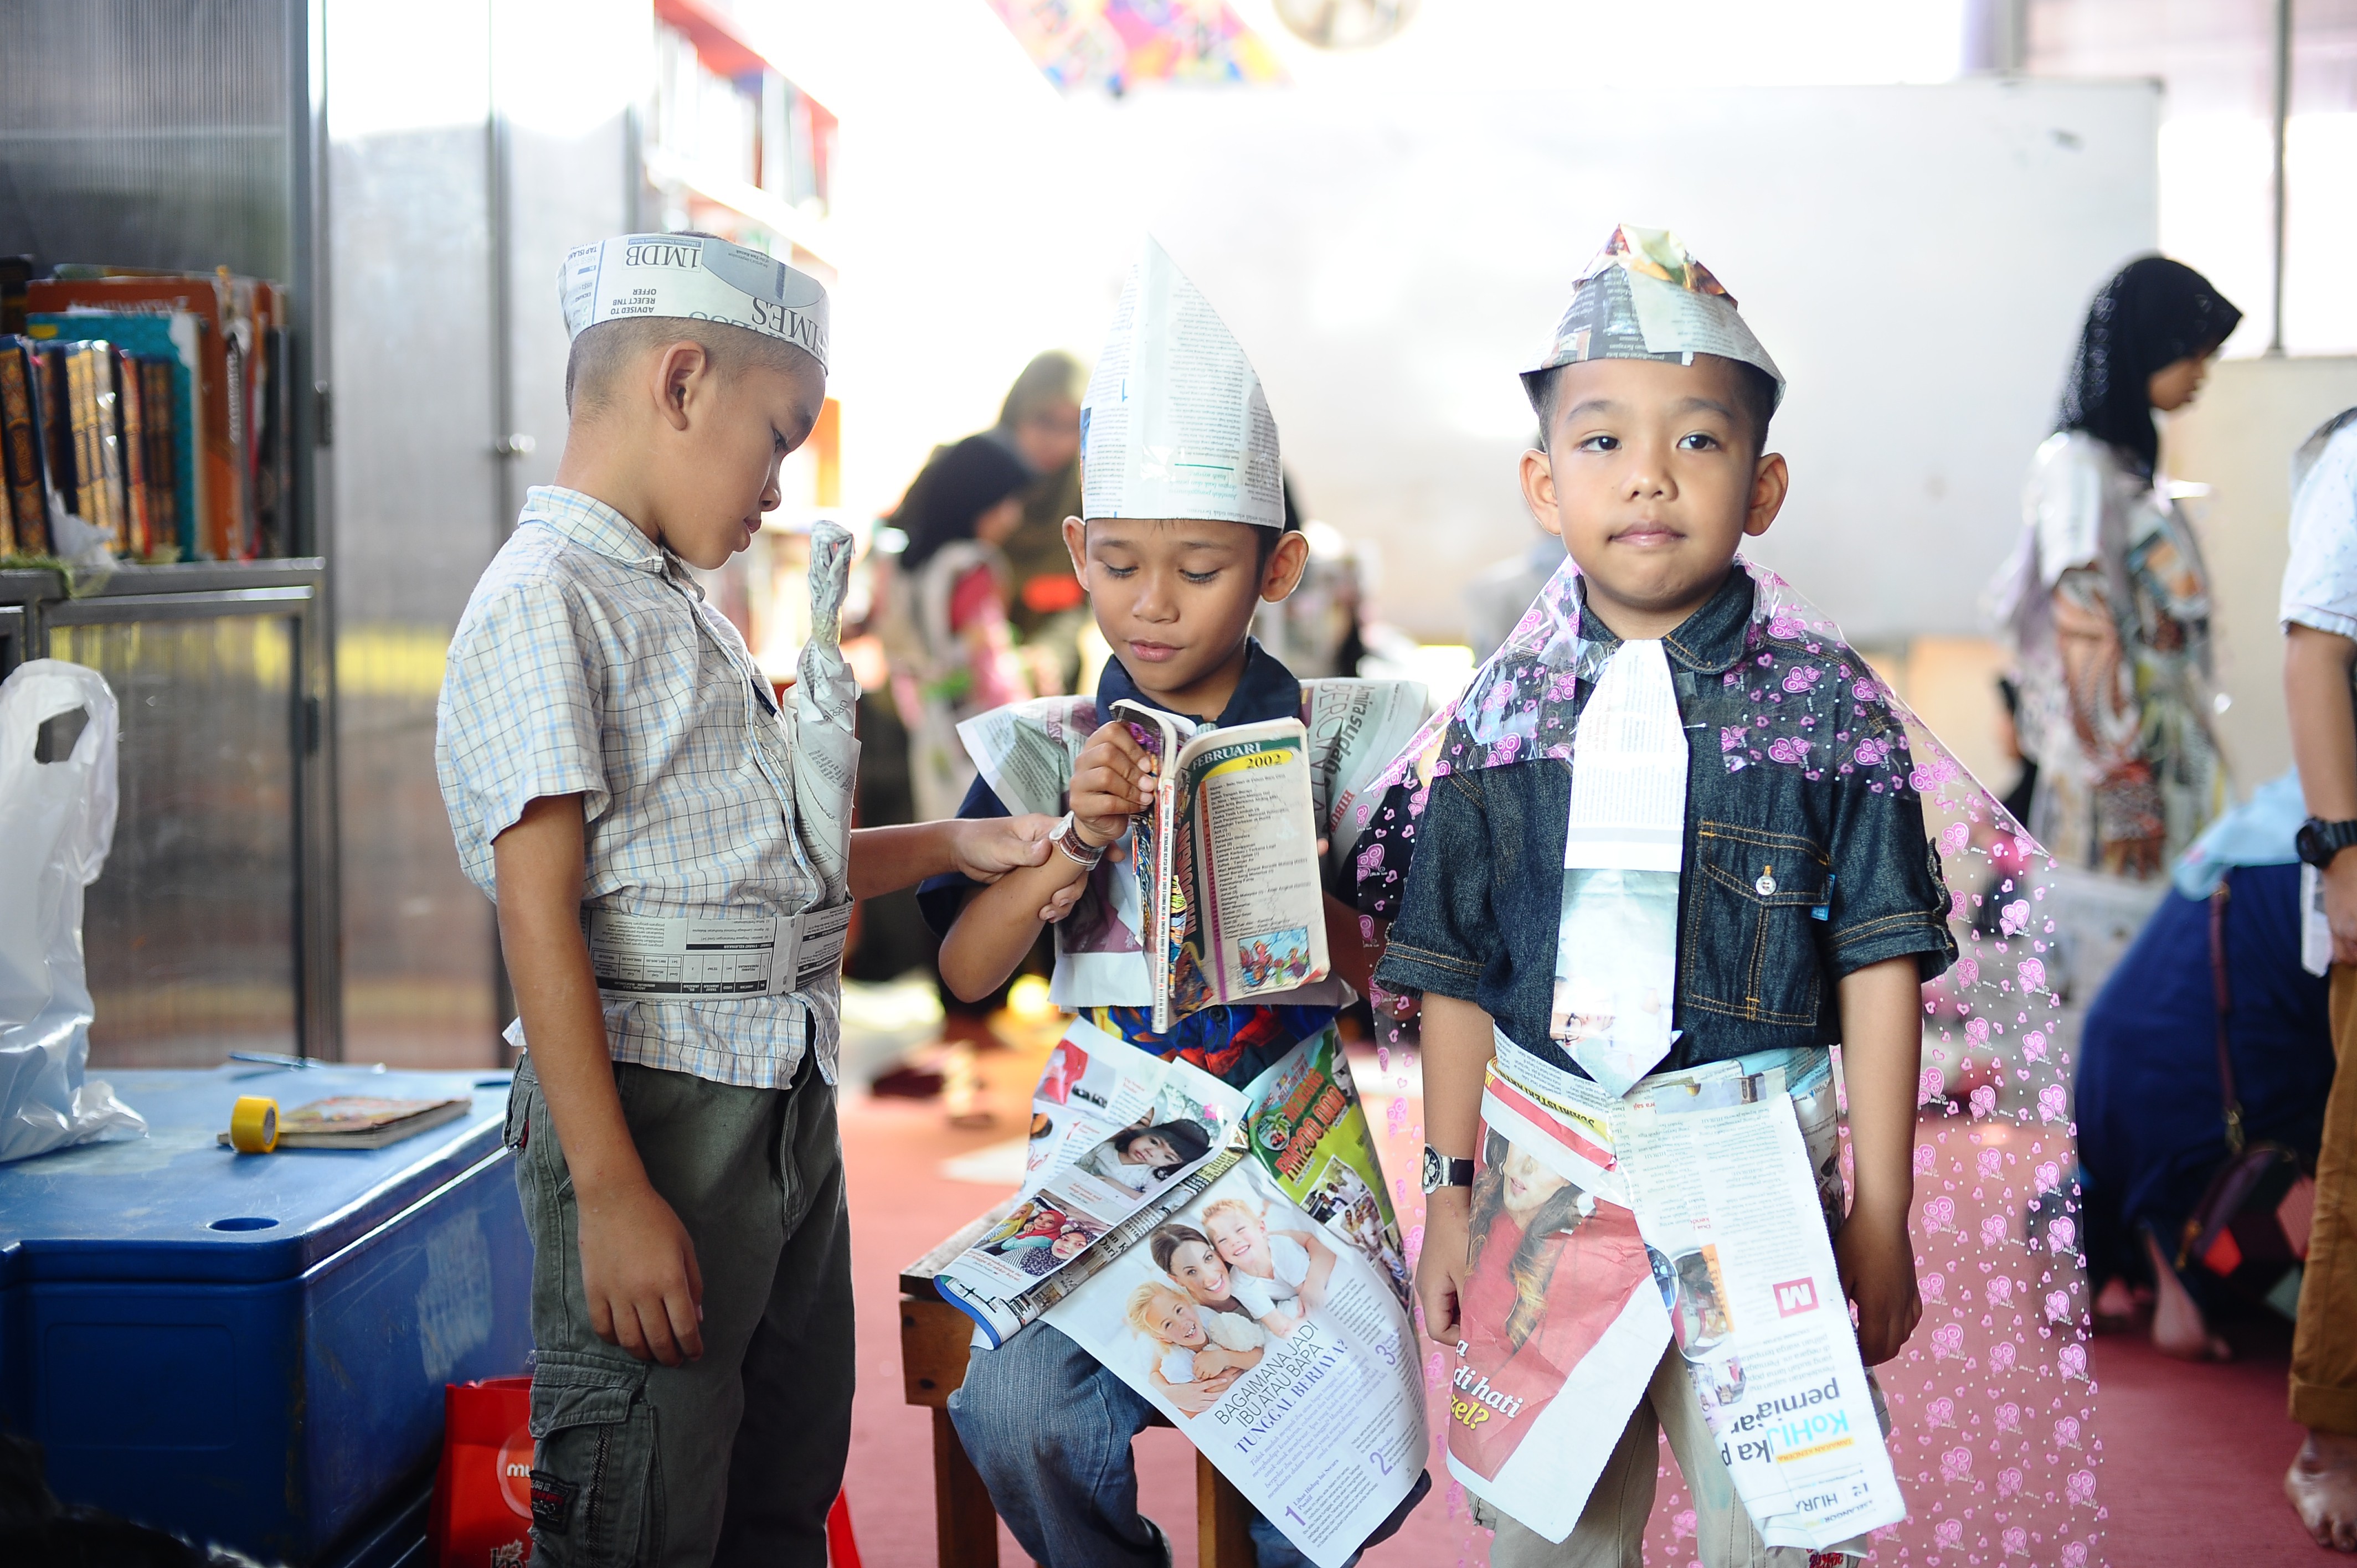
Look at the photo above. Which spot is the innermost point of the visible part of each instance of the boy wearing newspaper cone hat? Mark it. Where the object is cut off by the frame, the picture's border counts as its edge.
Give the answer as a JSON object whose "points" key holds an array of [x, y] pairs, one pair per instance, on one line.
{"points": [[616, 767], [1658, 857], [1183, 536]]}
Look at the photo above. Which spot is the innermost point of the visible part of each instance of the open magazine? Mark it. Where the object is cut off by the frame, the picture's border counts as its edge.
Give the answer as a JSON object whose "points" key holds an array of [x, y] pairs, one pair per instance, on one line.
{"points": [[1687, 1213], [1027, 751], [1227, 862], [1250, 1282]]}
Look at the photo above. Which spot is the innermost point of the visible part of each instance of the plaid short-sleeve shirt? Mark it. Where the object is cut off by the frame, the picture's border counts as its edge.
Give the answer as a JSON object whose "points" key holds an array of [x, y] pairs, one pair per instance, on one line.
{"points": [[589, 663]]}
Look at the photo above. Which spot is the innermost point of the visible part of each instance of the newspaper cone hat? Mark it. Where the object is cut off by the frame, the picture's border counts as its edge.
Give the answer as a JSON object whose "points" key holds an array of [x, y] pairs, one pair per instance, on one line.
{"points": [[1646, 298], [695, 277], [1175, 423]]}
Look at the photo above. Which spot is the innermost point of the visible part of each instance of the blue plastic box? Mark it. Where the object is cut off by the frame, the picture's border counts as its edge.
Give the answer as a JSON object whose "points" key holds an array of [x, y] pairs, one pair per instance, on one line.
{"points": [[251, 1348]]}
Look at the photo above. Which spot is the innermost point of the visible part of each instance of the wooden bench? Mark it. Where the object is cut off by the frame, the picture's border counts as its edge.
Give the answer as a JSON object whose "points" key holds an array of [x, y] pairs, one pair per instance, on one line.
{"points": [[934, 1340]]}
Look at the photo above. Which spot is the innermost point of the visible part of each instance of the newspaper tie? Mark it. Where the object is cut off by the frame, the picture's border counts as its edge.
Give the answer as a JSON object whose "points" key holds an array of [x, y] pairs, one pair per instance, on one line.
{"points": [[1616, 950], [825, 751]]}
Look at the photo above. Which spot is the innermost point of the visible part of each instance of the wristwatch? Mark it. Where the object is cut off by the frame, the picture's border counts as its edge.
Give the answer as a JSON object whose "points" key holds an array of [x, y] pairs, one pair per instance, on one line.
{"points": [[1440, 1171], [2319, 841], [1066, 836]]}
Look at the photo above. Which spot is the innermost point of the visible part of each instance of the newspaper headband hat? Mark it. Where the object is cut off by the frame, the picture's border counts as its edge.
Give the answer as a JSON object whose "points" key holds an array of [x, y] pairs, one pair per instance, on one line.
{"points": [[1992, 1401], [1646, 298], [1175, 423], [694, 277]]}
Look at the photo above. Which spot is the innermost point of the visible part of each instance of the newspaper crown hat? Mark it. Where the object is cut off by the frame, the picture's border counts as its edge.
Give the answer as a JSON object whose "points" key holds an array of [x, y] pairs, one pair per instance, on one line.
{"points": [[694, 277], [1173, 422], [1646, 298]]}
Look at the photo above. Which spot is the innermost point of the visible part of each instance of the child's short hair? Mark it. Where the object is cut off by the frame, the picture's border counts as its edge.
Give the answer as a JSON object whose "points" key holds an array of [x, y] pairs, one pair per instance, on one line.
{"points": [[1233, 1206], [1755, 398], [603, 352], [1141, 1303]]}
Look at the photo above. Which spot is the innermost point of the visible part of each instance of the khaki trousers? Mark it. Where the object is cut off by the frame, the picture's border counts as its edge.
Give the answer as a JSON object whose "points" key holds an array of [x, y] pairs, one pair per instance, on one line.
{"points": [[1612, 1528], [2324, 1346]]}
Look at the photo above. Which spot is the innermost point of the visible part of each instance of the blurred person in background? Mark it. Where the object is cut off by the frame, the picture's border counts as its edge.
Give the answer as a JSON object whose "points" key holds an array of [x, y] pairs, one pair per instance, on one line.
{"points": [[2107, 602], [943, 611], [1495, 601], [2319, 617], [2151, 1114], [1040, 423]]}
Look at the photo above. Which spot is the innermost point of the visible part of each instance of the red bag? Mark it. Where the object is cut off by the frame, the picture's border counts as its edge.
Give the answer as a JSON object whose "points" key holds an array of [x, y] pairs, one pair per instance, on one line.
{"points": [[482, 1495]]}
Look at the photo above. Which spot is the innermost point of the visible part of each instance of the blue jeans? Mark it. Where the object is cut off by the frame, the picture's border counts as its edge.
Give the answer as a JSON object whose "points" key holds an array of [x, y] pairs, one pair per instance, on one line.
{"points": [[1050, 1428]]}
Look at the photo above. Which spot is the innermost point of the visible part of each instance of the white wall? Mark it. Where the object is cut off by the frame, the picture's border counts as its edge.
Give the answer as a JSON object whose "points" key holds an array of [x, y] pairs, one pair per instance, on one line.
{"points": [[1917, 259], [2238, 439]]}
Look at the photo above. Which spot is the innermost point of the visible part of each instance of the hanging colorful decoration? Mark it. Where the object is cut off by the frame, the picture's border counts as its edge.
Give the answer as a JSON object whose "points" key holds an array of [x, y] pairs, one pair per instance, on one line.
{"points": [[1112, 45]]}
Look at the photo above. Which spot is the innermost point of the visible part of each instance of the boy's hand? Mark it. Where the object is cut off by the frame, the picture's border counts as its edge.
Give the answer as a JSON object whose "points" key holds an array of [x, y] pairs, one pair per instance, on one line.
{"points": [[1876, 1260], [1441, 1267], [638, 1269], [986, 848], [1112, 781]]}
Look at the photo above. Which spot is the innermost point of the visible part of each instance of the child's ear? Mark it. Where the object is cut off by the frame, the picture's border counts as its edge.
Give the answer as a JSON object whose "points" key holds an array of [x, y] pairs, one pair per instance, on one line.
{"points": [[681, 371], [1285, 565], [1076, 545], [1538, 490], [1770, 482]]}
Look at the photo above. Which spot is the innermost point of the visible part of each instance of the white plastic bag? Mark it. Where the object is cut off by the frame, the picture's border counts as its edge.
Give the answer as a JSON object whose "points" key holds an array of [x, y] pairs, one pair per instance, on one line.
{"points": [[57, 821]]}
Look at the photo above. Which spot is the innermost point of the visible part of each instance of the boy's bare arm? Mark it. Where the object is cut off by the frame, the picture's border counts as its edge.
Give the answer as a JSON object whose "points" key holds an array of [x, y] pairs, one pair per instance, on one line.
{"points": [[1112, 781], [2324, 744], [1455, 1050], [637, 1263], [884, 860], [1882, 1054]]}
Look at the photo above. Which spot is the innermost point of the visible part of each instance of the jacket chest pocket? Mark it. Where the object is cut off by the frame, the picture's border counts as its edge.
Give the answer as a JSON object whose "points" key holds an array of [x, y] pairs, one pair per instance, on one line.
{"points": [[1747, 950]]}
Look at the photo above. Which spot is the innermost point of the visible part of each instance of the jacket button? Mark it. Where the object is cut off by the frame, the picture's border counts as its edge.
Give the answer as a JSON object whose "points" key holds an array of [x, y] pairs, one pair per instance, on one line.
{"points": [[1766, 886]]}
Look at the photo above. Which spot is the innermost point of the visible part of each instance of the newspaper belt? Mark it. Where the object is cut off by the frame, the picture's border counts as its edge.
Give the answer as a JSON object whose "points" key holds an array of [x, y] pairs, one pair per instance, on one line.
{"points": [[696, 955]]}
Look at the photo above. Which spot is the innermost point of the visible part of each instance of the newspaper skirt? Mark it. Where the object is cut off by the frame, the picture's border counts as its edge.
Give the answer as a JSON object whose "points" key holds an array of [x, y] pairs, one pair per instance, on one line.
{"points": [[1697, 1210]]}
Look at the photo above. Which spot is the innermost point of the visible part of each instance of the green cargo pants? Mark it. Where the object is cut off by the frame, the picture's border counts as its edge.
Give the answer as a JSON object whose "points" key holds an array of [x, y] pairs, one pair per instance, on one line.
{"points": [[737, 1457]]}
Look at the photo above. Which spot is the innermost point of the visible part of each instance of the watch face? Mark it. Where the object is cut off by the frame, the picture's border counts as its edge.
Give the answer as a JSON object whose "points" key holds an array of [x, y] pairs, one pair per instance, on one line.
{"points": [[1435, 1173]]}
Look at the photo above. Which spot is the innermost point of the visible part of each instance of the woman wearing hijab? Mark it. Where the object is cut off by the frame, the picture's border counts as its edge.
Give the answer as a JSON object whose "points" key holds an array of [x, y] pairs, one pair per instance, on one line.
{"points": [[2106, 600], [944, 626]]}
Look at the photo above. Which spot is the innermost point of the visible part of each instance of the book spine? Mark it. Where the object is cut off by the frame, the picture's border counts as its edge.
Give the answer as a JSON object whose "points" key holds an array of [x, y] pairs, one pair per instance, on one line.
{"points": [[163, 455], [53, 421], [21, 441], [82, 400], [106, 445], [130, 397]]}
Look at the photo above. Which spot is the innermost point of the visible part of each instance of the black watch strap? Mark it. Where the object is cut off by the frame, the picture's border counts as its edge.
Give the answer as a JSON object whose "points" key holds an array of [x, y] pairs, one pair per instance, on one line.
{"points": [[2320, 841]]}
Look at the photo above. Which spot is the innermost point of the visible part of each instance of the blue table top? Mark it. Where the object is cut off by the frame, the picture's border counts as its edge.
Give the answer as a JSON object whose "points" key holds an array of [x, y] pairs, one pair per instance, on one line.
{"points": [[176, 1206]]}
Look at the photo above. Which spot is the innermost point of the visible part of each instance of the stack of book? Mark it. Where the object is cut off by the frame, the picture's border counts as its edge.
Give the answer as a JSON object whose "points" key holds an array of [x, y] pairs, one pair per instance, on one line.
{"points": [[153, 408]]}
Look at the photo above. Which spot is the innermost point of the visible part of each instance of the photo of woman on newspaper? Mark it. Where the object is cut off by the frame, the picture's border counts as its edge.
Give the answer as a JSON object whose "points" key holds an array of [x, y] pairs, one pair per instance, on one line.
{"points": [[1193, 1264], [1553, 1267]]}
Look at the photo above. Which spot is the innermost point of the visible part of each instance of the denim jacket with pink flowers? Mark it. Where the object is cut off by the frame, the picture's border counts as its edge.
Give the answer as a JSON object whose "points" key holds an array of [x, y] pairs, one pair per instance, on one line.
{"points": [[1805, 855]]}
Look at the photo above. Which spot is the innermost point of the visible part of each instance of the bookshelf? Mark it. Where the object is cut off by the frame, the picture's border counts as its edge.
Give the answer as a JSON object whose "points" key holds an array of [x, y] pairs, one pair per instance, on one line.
{"points": [[735, 148], [182, 141]]}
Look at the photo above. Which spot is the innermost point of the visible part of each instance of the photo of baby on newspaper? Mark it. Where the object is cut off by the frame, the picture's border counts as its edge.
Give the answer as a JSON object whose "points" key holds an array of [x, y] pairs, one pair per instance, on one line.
{"points": [[1554, 1266]]}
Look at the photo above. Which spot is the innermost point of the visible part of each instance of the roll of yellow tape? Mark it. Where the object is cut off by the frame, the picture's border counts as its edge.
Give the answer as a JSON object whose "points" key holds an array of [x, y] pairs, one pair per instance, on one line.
{"points": [[253, 1124]]}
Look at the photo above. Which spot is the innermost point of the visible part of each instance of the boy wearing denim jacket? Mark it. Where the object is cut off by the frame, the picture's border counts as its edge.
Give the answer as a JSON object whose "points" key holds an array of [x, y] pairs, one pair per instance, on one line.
{"points": [[1182, 543], [1808, 908]]}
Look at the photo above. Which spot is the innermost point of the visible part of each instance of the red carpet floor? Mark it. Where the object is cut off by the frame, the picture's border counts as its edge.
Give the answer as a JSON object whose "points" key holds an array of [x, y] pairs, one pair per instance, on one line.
{"points": [[2194, 1455]]}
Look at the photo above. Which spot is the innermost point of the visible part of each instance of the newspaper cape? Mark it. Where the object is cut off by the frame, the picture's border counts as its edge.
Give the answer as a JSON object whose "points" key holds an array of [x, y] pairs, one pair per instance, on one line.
{"points": [[1026, 751], [1254, 1293], [1227, 862], [1690, 1211]]}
